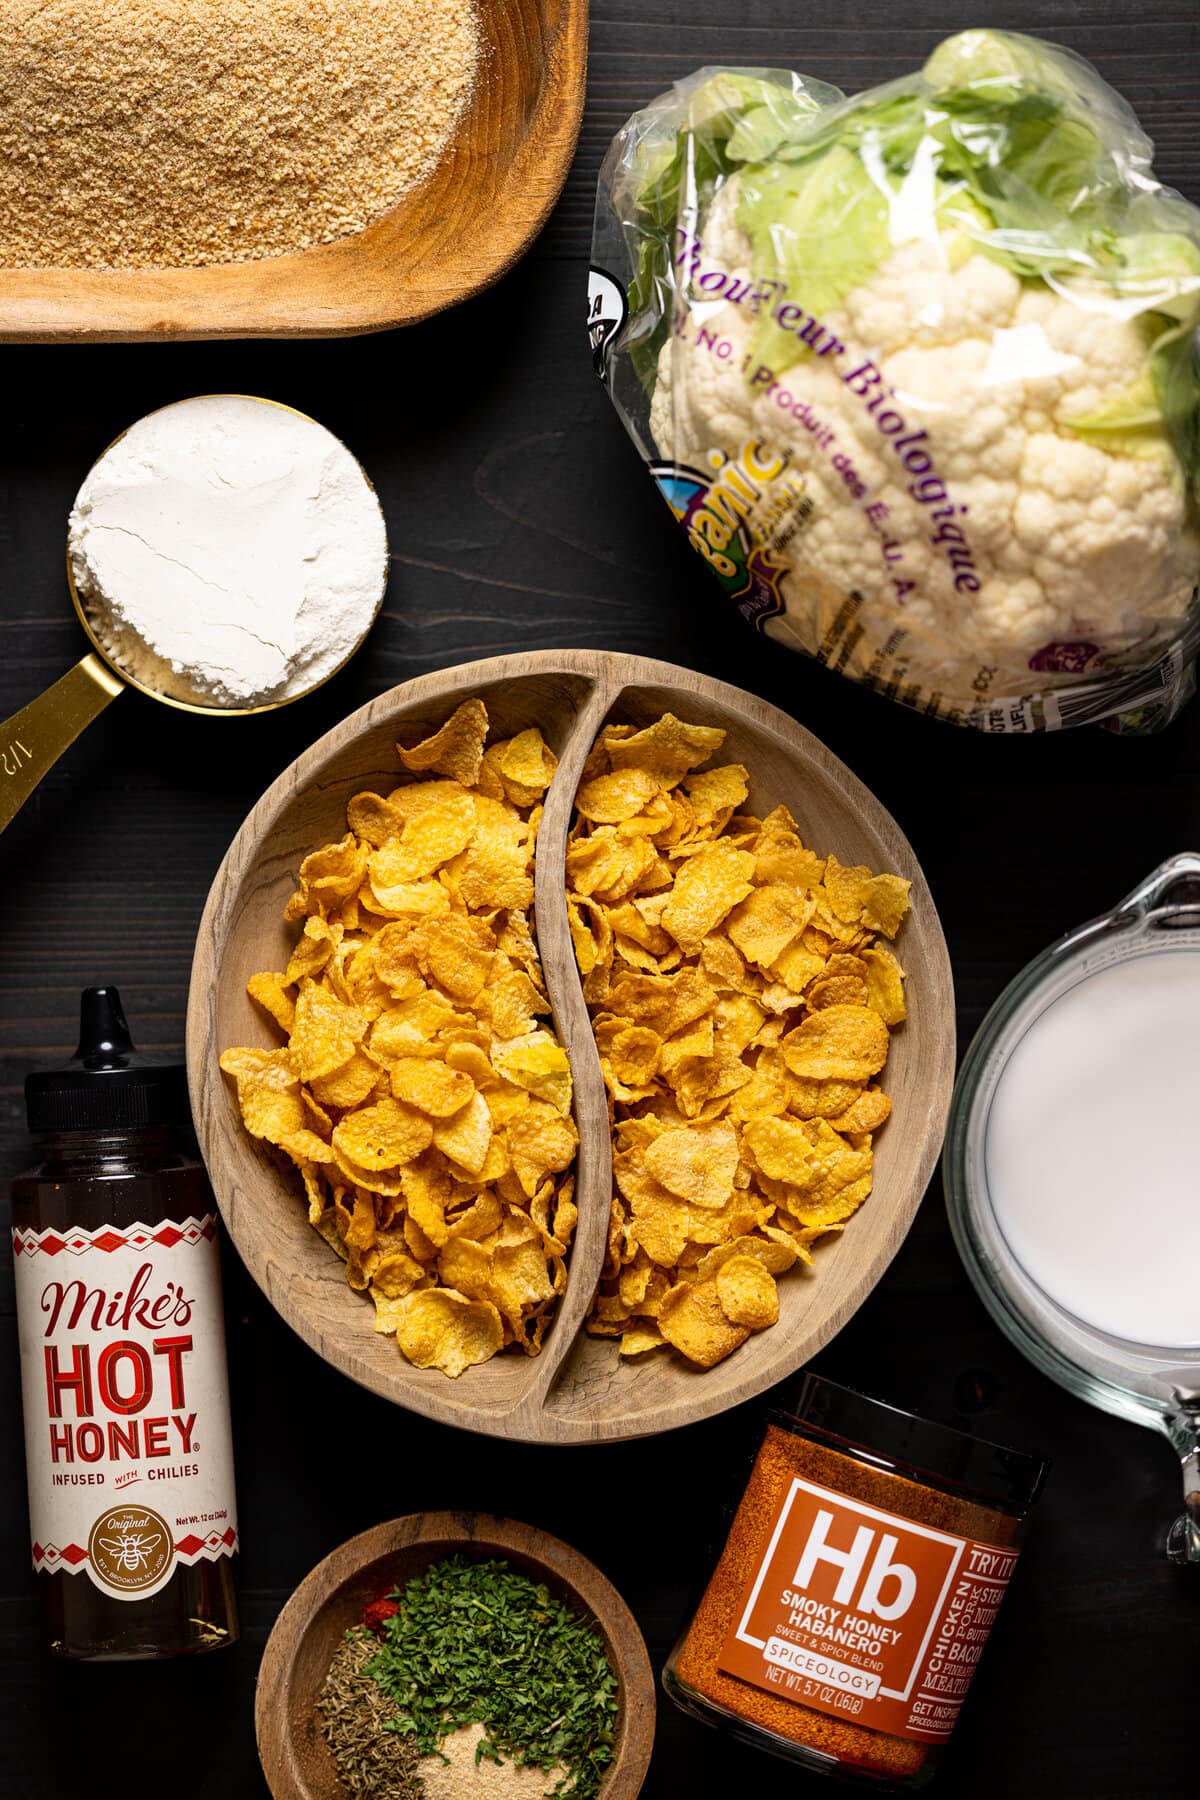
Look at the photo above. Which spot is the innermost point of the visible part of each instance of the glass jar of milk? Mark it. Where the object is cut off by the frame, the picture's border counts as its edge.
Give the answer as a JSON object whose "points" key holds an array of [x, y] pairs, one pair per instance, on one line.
{"points": [[1072, 1167]]}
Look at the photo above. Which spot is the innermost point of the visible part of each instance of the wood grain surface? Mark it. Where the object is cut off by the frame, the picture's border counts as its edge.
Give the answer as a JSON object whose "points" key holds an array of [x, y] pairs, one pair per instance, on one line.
{"points": [[578, 1390], [450, 236], [295, 1758], [520, 518]]}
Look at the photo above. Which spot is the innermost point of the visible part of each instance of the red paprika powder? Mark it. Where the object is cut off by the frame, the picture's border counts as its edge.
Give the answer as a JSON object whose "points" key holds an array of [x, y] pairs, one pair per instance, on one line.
{"points": [[858, 1584], [376, 1614]]}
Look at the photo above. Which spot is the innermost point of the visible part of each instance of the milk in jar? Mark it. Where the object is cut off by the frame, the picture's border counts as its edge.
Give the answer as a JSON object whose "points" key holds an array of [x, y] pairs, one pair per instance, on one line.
{"points": [[1093, 1154]]}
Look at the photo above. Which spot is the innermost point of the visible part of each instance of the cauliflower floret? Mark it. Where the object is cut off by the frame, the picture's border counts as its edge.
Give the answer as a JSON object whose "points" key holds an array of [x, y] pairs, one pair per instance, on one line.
{"points": [[924, 303], [709, 405], [1064, 541]]}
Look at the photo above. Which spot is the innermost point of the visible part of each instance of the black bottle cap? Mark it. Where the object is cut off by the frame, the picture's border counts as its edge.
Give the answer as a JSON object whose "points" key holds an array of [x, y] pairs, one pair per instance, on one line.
{"points": [[107, 1086]]}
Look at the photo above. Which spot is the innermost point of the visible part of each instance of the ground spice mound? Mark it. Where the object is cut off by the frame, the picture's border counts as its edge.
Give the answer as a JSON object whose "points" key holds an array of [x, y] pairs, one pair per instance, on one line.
{"points": [[454, 1774], [184, 132]]}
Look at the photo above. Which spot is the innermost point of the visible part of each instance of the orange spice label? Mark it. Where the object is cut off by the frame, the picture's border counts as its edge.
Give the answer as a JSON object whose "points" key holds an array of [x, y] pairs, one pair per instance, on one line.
{"points": [[866, 1615]]}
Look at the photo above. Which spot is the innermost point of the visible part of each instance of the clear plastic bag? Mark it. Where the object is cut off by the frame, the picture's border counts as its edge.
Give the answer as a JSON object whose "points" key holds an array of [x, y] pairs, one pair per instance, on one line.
{"points": [[917, 374]]}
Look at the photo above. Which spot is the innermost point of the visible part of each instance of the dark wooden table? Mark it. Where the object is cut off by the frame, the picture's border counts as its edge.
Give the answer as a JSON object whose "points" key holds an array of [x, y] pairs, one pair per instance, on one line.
{"points": [[520, 517]]}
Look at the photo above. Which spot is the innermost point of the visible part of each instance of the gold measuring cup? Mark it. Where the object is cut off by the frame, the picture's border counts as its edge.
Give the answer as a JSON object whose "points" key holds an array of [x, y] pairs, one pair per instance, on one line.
{"points": [[32, 740]]}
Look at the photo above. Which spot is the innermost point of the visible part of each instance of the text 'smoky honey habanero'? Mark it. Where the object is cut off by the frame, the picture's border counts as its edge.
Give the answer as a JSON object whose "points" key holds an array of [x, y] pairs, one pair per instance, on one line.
{"points": [[132, 1514], [852, 1601]]}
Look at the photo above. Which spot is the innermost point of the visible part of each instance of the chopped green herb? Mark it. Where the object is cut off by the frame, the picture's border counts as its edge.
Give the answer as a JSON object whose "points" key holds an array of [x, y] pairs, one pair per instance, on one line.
{"points": [[476, 1642]]}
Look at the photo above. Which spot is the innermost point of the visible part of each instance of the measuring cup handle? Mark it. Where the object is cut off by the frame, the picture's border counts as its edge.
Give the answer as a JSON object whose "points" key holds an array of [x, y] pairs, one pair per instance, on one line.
{"points": [[32, 741], [1178, 876], [1183, 1429]]}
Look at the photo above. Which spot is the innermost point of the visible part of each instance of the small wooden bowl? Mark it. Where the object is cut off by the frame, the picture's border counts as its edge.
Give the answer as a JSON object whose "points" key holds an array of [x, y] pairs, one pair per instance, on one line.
{"points": [[294, 1755], [449, 237], [578, 1390]]}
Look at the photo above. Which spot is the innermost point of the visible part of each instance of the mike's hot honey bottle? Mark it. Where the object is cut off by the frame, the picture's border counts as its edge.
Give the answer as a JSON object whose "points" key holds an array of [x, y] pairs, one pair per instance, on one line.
{"points": [[133, 1521]]}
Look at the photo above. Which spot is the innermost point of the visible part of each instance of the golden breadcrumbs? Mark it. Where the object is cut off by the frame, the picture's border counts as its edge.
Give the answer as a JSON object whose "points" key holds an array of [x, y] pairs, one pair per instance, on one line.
{"points": [[180, 132]]}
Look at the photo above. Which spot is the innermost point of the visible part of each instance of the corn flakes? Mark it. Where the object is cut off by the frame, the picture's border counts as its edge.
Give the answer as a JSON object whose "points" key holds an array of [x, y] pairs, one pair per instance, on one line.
{"points": [[420, 1095], [741, 1001]]}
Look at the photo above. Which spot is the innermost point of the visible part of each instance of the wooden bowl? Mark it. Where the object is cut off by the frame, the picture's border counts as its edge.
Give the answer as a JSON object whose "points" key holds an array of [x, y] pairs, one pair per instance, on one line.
{"points": [[294, 1755], [447, 238], [577, 1390]]}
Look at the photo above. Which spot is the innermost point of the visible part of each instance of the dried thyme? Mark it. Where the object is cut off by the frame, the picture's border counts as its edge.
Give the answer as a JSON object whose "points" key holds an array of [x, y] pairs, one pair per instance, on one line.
{"points": [[476, 1642], [375, 1762]]}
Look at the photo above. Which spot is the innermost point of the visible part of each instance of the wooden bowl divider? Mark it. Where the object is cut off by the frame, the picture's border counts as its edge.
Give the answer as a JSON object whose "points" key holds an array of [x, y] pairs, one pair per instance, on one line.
{"points": [[577, 1390], [295, 1757], [447, 238]]}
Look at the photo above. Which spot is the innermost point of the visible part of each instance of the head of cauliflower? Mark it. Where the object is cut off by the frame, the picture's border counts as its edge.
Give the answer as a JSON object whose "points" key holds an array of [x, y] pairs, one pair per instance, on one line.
{"points": [[930, 353]]}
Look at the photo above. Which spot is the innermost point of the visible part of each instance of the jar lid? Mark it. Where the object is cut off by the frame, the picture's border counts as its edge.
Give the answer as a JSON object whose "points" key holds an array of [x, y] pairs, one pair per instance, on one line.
{"points": [[108, 1085], [1008, 1478]]}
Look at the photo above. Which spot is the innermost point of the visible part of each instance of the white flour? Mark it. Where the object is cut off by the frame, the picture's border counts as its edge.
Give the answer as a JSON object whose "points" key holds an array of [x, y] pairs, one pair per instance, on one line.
{"points": [[228, 552]]}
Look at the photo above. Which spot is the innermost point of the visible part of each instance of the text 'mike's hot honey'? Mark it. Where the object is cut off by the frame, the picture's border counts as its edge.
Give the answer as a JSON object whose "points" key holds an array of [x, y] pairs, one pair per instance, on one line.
{"points": [[127, 1442]]}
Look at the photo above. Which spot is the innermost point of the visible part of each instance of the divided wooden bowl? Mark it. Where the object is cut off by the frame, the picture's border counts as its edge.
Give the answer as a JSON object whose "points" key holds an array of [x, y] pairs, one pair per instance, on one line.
{"points": [[295, 1757], [578, 1390], [447, 238]]}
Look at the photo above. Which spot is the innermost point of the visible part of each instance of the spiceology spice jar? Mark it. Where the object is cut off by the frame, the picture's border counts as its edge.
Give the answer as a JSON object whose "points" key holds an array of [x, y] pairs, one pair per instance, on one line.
{"points": [[859, 1581], [133, 1521]]}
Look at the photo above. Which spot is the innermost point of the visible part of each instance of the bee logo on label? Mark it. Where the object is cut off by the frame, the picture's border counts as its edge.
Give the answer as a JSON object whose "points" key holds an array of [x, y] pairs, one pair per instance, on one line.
{"points": [[130, 1549]]}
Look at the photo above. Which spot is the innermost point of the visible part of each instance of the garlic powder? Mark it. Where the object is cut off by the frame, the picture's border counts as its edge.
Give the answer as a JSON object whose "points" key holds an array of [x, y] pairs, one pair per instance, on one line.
{"points": [[452, 1772], [228, 552]]}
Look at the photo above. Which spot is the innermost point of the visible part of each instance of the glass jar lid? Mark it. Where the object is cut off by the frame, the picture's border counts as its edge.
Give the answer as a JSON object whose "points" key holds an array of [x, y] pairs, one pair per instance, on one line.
{"points": [[872, 1429]]}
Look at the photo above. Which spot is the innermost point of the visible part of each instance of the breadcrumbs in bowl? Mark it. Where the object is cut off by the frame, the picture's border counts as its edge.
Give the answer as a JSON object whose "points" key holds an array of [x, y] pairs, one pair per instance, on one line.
{"points": [[179, 133]]}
